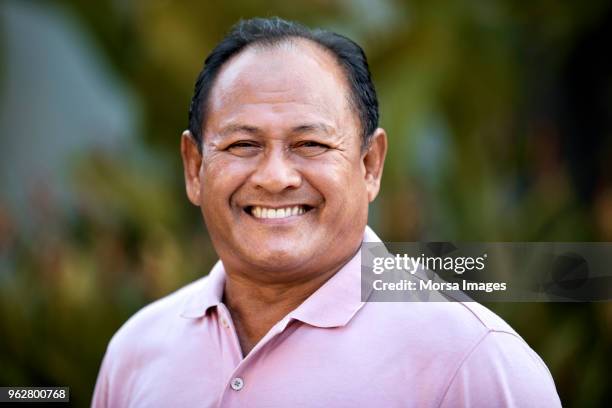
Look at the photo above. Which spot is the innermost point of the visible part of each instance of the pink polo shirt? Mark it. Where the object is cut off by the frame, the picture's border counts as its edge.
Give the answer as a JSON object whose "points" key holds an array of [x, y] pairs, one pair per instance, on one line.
{"points": [[332, 351]]}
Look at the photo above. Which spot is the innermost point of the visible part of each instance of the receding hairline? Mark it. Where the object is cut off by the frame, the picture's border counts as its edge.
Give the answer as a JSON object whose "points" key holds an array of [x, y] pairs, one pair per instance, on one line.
{"points": [[290, 43]]}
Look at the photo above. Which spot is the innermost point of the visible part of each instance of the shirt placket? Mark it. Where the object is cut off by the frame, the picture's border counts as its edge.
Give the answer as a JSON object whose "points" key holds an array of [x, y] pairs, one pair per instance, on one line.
{"points": [[236, 390]]}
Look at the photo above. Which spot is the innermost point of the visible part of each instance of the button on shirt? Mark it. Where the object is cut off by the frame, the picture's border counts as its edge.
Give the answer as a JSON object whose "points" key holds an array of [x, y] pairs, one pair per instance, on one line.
{"points": [[332, 351]]}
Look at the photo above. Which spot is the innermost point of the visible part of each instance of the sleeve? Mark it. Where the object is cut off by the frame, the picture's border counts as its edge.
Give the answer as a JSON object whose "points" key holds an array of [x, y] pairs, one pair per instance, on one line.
{"points": [[100, 395], [501, 371]]}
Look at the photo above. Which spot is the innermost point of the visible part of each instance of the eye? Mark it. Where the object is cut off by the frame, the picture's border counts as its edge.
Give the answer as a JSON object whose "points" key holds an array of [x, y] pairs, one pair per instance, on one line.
{"points": [[243, 148], [310, 148]]}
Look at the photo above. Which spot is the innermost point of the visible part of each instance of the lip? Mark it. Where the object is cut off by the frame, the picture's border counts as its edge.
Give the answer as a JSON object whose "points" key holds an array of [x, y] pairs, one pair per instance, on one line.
{"points": [[277, 206]]}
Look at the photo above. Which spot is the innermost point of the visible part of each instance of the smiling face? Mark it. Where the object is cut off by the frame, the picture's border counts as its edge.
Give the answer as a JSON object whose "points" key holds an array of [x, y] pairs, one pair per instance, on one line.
{"points": [[282, 181]]}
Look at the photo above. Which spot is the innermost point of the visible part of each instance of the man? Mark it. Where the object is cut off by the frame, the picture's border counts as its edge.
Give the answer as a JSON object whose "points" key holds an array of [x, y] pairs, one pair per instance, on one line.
{"points": [[283, 155]]}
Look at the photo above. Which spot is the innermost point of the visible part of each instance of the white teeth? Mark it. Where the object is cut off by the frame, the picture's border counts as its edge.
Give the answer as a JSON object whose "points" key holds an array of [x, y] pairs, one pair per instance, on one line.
{"points": [[261, 212]]}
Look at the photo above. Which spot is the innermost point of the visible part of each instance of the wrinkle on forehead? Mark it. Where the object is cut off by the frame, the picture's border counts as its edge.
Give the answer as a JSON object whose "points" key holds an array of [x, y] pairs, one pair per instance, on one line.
{"points": [[293, 71]]}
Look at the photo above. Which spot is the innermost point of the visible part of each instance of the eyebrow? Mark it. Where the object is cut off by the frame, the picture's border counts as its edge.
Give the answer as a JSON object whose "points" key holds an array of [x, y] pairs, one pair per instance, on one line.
{"points": [[312, 127], [239, 128], [253, 130]]}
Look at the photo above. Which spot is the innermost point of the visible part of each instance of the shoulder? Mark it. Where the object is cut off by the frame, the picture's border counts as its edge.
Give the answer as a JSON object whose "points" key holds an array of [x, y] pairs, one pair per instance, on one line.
{"points": [[466, 322], [138, 344], [486, 318], [464, 348], [501, 369], [441, 334]]}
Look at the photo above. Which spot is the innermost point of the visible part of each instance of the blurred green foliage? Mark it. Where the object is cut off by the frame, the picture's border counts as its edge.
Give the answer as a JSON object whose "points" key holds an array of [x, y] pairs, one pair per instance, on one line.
{"points": [[489, 140]]}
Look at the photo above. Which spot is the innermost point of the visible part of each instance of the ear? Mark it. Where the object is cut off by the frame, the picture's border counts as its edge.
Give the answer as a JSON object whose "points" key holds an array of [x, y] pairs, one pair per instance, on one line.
{"points": [[192, 161], [374, 161]]}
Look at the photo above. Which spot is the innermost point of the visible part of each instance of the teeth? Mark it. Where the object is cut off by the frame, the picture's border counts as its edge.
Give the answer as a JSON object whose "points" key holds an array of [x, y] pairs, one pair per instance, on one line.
{"points": [[262, 212]]}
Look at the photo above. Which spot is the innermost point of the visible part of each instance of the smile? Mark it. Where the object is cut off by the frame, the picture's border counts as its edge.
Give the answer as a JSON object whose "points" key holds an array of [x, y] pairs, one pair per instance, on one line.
{"points": [[284, 212]]}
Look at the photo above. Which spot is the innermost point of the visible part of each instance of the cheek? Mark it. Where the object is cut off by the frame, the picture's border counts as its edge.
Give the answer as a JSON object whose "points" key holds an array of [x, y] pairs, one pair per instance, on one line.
{"points": [[355, 190], [340, 182], [222, 177]]}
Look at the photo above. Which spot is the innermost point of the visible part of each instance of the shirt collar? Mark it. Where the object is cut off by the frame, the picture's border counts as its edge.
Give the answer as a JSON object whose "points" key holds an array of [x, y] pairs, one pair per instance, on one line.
{"points": [[333, 305], [336, 302], [208, 293]]}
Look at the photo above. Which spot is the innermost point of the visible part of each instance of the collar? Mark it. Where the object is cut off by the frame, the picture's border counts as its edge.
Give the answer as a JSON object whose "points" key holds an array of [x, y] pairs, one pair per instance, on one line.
{"points": [[208, 293], [333, 305]]}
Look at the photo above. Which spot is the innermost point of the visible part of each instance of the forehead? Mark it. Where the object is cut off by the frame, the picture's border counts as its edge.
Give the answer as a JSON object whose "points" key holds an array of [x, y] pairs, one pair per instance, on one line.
{"points": [[296, 76]]}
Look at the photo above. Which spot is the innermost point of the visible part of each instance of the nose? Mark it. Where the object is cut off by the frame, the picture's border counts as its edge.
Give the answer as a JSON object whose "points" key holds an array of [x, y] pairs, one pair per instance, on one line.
{"points": [[275, 172]]}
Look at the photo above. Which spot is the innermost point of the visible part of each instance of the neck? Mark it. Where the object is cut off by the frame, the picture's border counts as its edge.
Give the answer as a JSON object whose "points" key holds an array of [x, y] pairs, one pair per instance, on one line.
{"points": [[256, 307]]}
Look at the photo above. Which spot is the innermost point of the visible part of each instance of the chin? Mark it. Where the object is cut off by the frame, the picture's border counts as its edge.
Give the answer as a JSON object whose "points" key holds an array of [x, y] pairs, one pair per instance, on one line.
{"points": [[274, 266], [279, 260]]}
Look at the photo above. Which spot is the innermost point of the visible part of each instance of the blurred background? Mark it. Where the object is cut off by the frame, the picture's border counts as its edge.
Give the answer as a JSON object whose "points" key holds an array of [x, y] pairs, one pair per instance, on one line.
{"points": [[500, 122]]}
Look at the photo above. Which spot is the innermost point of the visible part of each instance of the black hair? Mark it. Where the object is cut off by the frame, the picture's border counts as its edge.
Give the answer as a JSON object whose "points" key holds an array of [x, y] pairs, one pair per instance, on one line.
{"points": [[271, 31]]}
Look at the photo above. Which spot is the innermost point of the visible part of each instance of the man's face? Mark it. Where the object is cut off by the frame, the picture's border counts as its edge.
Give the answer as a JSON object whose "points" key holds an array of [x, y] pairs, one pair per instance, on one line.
{"points": [[282, 184]]}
